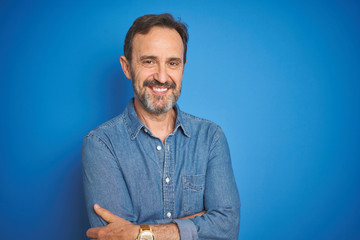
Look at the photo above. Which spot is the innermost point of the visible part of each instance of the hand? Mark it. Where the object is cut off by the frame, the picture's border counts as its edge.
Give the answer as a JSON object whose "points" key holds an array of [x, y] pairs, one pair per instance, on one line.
{"points": [[118, 228], [194, 215]]}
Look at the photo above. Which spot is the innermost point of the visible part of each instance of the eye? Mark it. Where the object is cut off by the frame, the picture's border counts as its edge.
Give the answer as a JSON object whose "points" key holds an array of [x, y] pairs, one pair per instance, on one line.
{"points": [[148, 62], [174, 64]]}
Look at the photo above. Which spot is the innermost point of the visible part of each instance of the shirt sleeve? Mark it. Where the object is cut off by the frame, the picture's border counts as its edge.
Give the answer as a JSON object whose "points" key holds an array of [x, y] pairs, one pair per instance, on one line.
{"points": [[221, 197], [187, 229], [103, 182]]}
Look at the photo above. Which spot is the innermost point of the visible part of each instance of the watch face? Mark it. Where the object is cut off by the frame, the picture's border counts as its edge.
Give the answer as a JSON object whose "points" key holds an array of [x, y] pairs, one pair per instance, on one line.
{"points": [[146, 235]]}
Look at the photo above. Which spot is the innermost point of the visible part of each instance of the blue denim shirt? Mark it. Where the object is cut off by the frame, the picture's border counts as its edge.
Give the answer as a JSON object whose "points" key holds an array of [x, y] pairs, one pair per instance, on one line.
{"points": [[136, 176]]}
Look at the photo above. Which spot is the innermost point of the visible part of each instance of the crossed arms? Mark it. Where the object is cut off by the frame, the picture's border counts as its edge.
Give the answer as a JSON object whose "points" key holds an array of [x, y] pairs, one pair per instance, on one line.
{"points": [[220, 198], [119, 228]]}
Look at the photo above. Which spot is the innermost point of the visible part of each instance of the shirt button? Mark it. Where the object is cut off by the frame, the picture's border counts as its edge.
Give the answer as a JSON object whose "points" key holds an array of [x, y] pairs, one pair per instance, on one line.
{"points": [[167, 180], [168, 214], [145, 130], [158, 148]]}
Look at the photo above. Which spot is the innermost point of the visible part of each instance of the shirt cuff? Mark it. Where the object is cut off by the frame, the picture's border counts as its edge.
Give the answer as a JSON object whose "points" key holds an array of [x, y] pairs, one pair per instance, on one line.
{"points": [[187, 229]]}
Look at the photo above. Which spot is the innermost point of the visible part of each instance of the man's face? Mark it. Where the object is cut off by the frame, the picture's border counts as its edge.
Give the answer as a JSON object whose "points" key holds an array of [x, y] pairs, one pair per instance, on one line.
{"points": [[157, 69]]}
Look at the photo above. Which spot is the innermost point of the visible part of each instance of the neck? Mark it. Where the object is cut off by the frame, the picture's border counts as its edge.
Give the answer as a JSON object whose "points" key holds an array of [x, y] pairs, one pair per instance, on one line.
{"points": [[160, 125]]}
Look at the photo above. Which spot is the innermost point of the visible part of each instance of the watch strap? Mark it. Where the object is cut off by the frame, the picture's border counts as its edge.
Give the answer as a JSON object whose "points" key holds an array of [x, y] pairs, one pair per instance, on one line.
{"points": [[145, 227]]}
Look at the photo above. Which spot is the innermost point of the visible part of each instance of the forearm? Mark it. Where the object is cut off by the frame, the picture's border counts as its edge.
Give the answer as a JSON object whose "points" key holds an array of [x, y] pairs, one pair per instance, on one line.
{"points": [[166, 231]]}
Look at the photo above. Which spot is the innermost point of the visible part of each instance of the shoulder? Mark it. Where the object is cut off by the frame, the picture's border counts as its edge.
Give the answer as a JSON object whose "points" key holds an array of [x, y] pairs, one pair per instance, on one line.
{"points": [[200, 126], [108, 128], [189, 118]]}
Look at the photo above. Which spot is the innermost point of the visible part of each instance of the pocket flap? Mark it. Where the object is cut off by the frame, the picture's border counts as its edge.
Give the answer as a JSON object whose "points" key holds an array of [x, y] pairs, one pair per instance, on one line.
{"points": [[194, 182]]}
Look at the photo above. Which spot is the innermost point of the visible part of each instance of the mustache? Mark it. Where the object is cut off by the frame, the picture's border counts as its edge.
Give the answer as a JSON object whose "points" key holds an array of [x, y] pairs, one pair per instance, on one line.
{"points": [[156, 83]]}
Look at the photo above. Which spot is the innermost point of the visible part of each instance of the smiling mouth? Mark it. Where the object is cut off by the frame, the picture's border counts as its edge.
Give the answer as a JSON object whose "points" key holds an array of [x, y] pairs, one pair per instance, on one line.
{"points": [[159, 90]]}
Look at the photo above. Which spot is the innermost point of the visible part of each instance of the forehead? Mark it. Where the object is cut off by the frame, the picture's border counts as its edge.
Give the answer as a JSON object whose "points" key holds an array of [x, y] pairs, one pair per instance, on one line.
{"points": [[158, 41]]}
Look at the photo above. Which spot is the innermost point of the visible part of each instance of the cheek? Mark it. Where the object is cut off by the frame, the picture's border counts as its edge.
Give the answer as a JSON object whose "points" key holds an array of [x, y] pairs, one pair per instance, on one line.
{"points": [[138, 80], [143, 75], [177, 77], [179, 82]]}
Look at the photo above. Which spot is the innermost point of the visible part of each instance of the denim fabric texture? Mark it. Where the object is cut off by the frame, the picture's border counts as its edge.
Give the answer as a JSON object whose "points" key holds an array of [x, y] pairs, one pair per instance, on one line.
{"points": [[133, 174]]}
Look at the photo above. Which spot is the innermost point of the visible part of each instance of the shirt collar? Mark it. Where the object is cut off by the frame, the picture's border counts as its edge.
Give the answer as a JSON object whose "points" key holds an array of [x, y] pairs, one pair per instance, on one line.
{"points": [[134, 125]]}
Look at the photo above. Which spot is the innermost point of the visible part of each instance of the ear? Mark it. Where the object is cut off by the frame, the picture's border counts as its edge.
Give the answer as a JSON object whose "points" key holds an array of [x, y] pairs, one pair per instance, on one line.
{"points": [[125, 65], [184, 65]]}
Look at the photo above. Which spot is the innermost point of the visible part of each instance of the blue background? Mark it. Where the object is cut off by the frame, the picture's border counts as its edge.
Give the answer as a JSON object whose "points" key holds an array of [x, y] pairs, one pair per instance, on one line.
{"points": [[280, 77]]}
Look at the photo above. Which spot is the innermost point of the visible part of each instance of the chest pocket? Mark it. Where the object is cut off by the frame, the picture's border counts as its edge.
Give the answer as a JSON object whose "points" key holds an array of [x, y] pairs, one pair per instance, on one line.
{"points": [[193, 193]]}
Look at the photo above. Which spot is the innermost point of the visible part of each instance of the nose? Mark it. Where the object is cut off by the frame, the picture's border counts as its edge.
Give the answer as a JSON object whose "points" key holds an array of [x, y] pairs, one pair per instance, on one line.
{"points": [[161, 74]]}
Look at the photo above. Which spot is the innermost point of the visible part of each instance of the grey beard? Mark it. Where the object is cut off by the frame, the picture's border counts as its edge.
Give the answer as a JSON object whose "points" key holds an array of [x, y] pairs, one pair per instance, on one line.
{"points": [[145, 99], [146, 102]]}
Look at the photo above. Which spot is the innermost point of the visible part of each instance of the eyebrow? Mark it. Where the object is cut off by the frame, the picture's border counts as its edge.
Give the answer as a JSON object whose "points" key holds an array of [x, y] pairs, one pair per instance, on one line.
{"points": [[147, 57], [155, 58], [175, 59]]}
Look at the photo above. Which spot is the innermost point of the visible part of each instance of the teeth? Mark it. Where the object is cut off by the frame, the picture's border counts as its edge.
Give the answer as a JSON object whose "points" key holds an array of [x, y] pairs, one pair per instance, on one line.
{"points": [[159, 89]]}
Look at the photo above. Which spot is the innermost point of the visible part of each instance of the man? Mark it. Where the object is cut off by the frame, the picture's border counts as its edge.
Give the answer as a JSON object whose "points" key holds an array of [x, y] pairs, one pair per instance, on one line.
{"points": [[158, 172]]}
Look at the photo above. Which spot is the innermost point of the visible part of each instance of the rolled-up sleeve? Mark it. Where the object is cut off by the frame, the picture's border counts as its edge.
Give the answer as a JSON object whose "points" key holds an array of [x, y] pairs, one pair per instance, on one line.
{"points": [[187, 229]]}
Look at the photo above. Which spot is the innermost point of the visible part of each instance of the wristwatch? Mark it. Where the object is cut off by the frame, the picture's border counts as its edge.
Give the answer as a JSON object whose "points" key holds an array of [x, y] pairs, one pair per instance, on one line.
{"points": [[145, 233]]}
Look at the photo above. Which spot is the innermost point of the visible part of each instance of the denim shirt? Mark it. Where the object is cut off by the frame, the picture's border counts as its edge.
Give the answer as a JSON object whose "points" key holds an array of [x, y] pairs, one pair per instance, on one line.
{"points": [[133, 174]]}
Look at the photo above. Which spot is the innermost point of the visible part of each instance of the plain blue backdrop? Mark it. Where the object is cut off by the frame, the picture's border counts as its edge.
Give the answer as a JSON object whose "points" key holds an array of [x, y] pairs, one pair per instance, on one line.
{"points": [[280, 77]]}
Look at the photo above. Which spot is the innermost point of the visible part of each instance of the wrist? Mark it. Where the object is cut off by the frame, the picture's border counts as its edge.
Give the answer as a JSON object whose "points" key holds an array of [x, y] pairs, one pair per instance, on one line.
{"points": [[136, 231], [145, 232]]}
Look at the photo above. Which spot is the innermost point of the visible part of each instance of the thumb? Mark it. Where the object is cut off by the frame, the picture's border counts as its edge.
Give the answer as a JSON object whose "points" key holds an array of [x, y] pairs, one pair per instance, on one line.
{"points": [[105, 214]]}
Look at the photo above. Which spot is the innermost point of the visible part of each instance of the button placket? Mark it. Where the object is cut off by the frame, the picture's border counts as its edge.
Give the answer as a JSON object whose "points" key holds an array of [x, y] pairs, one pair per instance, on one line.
{"points": [[168, 187]]}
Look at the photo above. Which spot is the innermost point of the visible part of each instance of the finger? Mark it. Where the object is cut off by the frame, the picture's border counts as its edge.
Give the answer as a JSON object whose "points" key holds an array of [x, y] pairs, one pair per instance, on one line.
{"points": [[105, 214], [93, 232]]}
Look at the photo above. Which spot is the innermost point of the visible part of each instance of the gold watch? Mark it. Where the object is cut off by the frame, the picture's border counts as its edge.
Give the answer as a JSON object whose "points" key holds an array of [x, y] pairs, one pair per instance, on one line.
{"points": [[145, 233]]}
